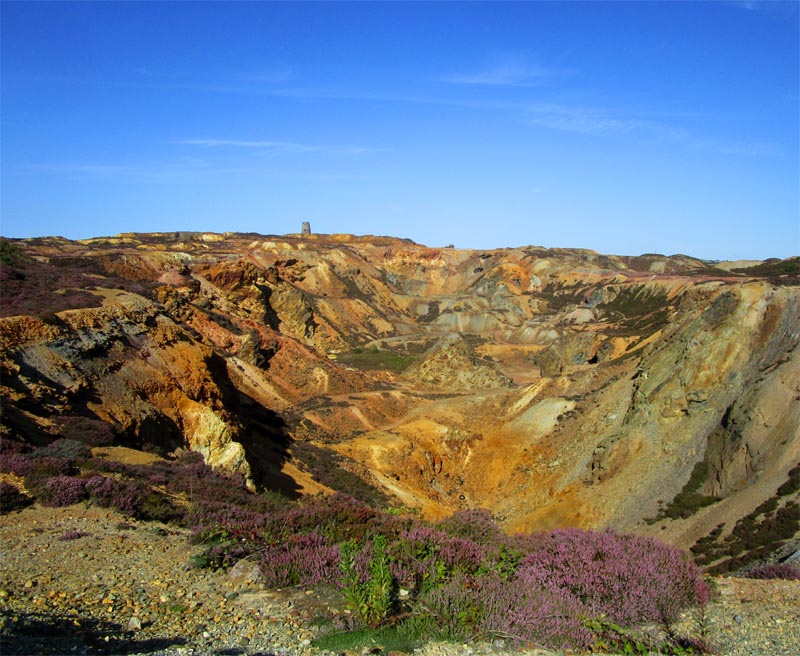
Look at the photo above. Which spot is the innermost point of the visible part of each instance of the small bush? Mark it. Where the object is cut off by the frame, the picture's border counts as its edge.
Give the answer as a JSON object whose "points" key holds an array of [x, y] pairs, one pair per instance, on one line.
{"points": [[303, 560], [628, 579], [110, 493], [41, 470], [91, 432], [424, 557], [755, 538], [9, 252], [11, 498], [477, 525], [74, 535], [158, 508], [15, 463], [64, 449], [792, 483], [61, 491], [374, 597], [777, 571], [689, 500]]}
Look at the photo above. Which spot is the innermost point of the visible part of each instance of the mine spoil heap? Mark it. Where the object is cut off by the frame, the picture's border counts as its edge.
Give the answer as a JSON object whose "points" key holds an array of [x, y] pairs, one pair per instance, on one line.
{"points": [[553, 387]]}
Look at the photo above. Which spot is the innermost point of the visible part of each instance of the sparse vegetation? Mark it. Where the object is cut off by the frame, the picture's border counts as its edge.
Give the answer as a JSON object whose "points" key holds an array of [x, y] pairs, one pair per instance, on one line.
{"points": [[638, 310], [37, 288], [374, 358], [773, 267], [9, 252], [328, 467], [782, 571], [406, 581], [74, 535], [689, 500], [754, 537]]}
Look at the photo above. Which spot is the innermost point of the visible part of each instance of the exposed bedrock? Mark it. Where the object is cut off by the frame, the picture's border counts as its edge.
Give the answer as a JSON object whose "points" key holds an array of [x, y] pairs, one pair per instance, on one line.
{"points": [[552, 386]]}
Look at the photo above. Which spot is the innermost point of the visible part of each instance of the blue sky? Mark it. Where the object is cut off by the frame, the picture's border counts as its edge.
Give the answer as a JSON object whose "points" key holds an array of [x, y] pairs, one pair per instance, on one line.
{"points": [[626, 127]]}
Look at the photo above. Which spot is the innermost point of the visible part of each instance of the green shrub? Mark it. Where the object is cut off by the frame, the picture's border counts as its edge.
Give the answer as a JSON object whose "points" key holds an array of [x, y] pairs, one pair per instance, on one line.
{"points": [[373, 598], [9, 253]]}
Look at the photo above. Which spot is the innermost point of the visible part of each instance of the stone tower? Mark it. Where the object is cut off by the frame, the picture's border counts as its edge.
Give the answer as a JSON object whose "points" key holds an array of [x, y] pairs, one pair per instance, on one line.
{"points": [[306, 229]]}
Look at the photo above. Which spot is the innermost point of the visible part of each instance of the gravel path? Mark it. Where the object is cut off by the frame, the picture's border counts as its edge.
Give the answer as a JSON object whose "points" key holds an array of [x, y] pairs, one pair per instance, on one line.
{"points": [[89, 580]]}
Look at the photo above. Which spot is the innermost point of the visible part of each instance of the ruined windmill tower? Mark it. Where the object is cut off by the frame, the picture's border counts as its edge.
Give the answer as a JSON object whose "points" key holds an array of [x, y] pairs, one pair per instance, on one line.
{"points": [[306, 229]]}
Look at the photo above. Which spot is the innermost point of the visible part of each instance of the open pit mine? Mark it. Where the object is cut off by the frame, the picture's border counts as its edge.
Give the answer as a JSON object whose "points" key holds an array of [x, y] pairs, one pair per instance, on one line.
{"points": [[552, 387]]}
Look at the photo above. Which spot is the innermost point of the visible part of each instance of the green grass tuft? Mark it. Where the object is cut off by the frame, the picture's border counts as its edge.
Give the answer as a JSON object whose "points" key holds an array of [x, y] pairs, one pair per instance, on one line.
{"points": [[404, 637]]}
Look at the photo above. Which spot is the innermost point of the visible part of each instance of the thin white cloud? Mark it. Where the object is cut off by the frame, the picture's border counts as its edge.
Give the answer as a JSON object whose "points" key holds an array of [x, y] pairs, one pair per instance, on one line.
{"points": [[150, 73], [276, 146], [144, 171], [578, 119], [281, 146], [740, 149], [510, 74], [631, 123], [182, 170], [749, 5], [778, 9], [276, 75]]}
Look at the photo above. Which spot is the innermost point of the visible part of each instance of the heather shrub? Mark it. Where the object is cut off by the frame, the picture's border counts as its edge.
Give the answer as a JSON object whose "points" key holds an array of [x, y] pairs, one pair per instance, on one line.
{"points": [[157, 479], [40, 470], [455, 609], [209, 519], [423, 557], [568, 588], [91, 432], [476, 525], [489, 606], [221, 552], [626, 578], [340, 518], [15, 463], [210, 492], [554, 584], [305, 559], [62, 491], [74, 535], [66, 449], [783, 571], [689, 500], [125, 496], [25, 464], [754, 538], [468, 607], [11, 498], [415, 560], [158, 507]]}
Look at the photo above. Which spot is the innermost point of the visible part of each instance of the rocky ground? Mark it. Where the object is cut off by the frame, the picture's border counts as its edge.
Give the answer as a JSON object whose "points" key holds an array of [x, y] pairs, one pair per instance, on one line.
{"points": [[90, 580]]}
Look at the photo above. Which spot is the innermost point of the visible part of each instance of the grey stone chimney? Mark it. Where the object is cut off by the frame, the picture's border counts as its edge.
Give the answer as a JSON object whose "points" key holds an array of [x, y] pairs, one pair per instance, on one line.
{"points": [[306, 229]]}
